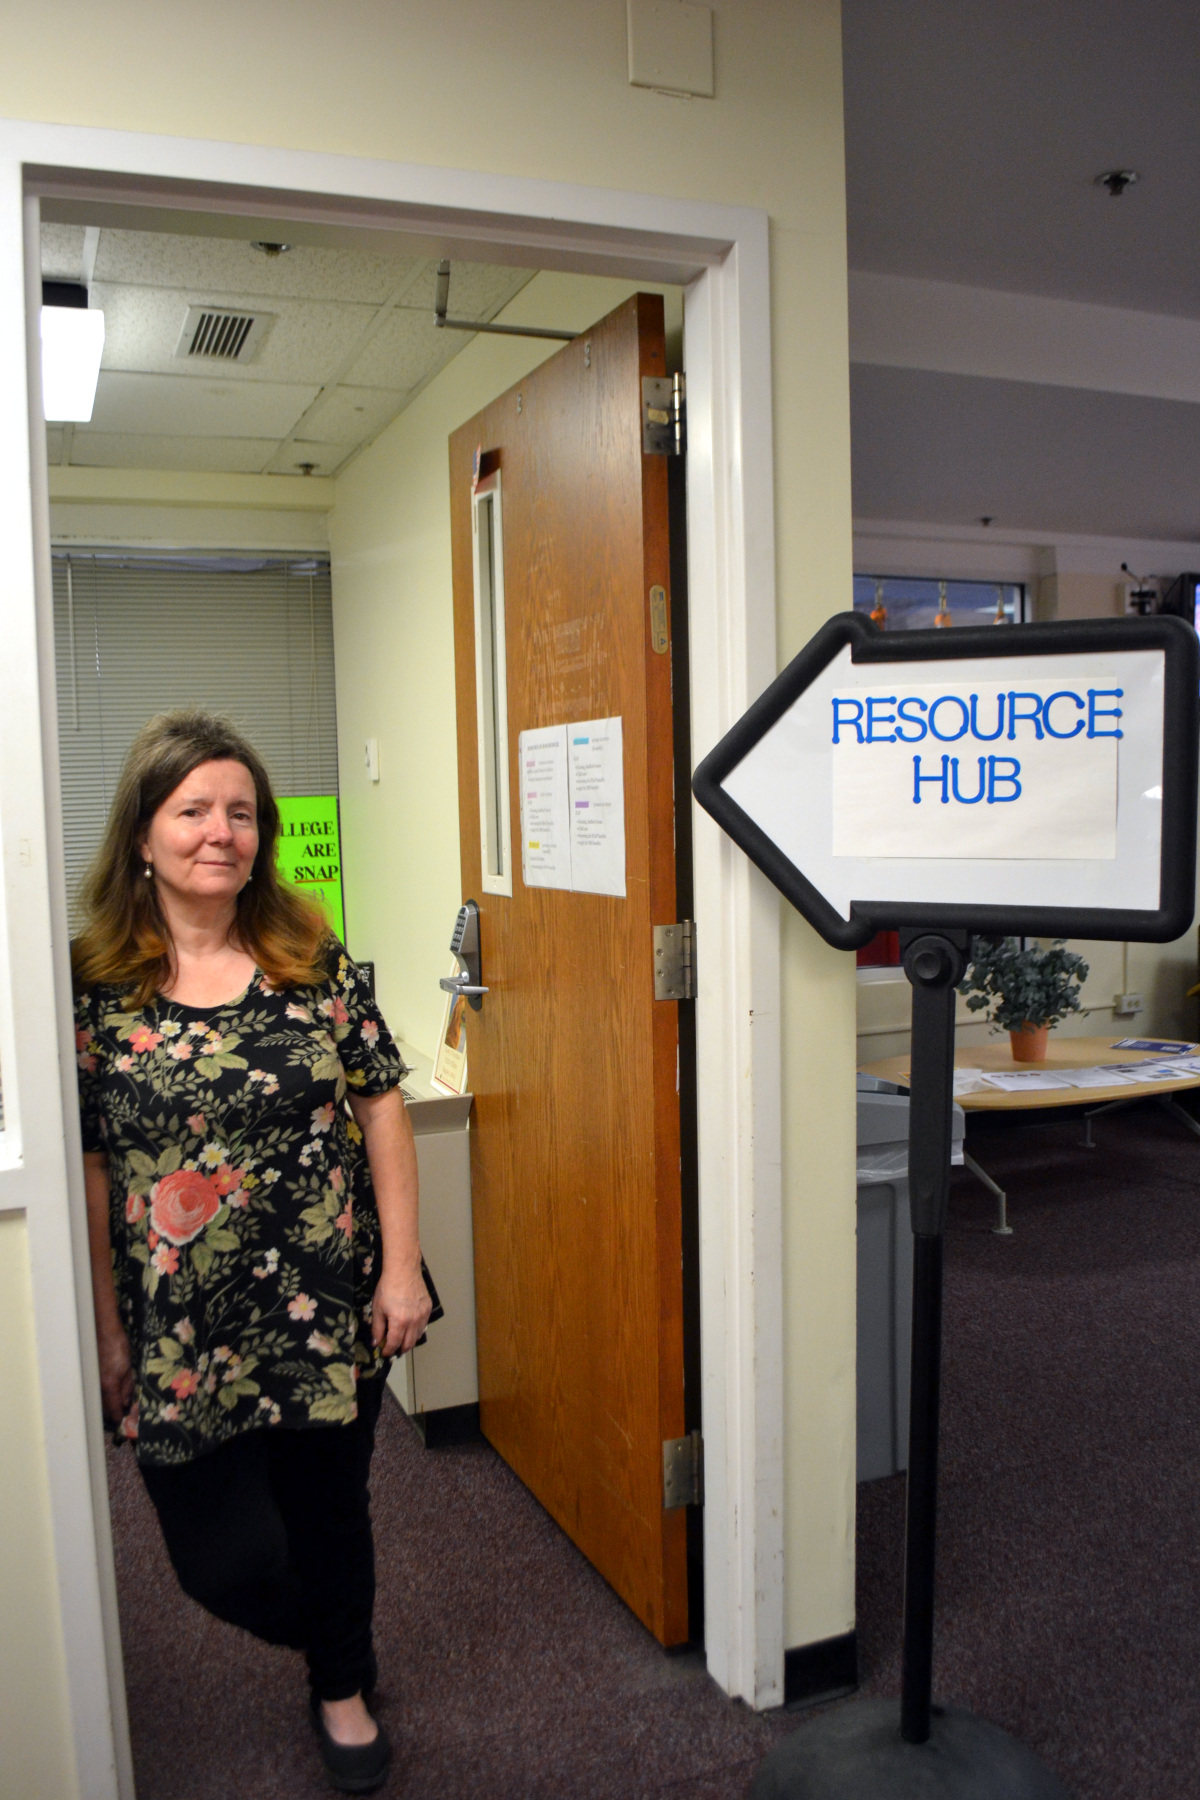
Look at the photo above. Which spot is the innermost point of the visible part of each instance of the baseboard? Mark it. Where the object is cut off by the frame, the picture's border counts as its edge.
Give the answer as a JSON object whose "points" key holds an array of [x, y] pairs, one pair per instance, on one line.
{"points": [[823, 1671], [447, 1426]]}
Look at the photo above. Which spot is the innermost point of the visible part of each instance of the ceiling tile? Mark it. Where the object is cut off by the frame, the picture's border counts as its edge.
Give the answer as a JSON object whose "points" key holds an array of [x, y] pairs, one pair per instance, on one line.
{"points": [[322, 303], [147, 258], [132, 450], [347, 415], [305, 341], [476, 289], [54, 443], [326, 458], [406, 350], [177, 404], [62, 252]]}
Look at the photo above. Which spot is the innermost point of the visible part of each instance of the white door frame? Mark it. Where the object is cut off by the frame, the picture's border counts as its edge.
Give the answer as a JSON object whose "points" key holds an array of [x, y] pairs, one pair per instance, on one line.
{"points": [[721, 254]]}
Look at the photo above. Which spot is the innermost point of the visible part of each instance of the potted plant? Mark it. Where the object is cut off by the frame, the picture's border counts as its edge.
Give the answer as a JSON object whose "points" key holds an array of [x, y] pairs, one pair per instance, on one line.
{"points": [[1024, 991]]}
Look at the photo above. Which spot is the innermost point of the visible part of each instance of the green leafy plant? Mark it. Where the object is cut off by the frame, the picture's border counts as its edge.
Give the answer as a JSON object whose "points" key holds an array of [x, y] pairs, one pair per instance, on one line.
{"points": [[1022, 987]]}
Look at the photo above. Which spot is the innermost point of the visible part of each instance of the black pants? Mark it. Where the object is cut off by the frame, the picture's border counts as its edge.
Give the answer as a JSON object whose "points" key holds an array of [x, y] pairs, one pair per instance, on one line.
{"points": [[272, 1532]]}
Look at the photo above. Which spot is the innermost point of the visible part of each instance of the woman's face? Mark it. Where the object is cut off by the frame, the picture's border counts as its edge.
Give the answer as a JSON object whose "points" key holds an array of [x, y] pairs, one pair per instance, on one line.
{"points": [[203, 839]]}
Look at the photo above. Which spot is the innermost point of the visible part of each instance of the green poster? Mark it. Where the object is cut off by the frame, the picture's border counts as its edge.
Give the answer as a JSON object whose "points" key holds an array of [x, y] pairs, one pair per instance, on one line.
{"points": [[309, 852]]}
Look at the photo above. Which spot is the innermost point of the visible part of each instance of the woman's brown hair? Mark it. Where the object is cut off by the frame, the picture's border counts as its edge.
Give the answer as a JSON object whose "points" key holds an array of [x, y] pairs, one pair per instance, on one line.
{"points": [[125, 941]]}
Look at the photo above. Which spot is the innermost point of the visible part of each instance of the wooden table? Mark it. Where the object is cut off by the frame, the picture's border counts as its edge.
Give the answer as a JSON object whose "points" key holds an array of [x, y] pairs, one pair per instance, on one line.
{"points": [[996, 1057]]}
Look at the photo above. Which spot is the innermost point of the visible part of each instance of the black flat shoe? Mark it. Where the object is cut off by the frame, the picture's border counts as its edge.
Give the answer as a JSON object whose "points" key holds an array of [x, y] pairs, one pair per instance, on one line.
{"points": [[352, 1768]]}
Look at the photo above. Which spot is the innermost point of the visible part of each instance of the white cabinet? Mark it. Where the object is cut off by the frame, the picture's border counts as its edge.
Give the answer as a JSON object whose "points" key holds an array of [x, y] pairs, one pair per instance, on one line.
{"points": [[441, 1372]]}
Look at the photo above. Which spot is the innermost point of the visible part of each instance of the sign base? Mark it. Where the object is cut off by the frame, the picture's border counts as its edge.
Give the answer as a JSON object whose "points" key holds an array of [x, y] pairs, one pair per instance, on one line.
{"points": [[855, 1752]]}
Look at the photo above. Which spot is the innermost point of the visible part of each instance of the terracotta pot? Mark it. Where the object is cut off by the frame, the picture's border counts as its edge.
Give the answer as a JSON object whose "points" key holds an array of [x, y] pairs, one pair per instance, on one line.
{"points": [[1029, 1043]]}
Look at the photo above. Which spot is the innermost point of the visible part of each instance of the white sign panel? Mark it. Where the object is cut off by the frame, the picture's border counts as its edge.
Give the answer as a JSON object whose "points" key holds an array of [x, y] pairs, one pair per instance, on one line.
{"points": [[1024, 780], [951, 770], [573, 807], [1037, 833]]}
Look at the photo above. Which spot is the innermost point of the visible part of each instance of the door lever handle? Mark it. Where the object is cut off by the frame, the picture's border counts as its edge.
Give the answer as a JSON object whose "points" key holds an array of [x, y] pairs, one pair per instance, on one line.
{"points": [[459, 984], [465, 946]]}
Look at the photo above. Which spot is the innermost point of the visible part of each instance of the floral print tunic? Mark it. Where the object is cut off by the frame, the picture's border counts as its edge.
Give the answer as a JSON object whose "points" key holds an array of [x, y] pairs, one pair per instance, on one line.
{"points": [[243, 1222]]}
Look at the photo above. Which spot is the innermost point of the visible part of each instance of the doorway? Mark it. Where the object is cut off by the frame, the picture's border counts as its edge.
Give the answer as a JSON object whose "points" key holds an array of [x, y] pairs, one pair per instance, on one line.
{"points": [[721, 254]]}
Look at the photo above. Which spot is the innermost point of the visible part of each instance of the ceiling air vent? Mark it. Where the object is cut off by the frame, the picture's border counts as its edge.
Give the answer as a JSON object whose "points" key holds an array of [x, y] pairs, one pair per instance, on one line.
{"points": [[221, 335]]}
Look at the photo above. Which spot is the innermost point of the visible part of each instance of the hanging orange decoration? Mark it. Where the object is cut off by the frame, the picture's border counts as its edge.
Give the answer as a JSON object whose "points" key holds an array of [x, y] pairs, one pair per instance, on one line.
{"points": [[879, 610]]}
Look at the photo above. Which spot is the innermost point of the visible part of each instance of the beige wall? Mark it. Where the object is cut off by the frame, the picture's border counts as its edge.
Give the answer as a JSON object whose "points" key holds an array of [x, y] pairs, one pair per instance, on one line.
{"points": [[35, 1738], [189, 511], [539, 88], [1070, 595]]}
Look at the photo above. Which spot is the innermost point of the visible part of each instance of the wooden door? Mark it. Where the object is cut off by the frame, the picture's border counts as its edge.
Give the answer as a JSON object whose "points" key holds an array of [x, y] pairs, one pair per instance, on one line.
{"points": [[572, 1060]]}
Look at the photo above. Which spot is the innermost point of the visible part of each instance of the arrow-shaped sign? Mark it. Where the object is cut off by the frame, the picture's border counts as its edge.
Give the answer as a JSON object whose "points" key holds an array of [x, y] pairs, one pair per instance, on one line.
{"points": [[1029, 779]]}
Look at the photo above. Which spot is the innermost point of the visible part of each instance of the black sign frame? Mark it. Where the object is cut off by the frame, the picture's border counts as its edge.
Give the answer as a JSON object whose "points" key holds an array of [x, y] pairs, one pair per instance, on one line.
{"points": [[868, 644]]}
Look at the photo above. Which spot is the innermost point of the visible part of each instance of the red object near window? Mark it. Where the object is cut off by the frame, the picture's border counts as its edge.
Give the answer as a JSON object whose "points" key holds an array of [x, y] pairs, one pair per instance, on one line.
{"points": [[883, 951]]}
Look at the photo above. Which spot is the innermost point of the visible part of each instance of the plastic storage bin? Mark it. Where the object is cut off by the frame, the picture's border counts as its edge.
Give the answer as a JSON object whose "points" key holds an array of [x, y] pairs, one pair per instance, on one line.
{"points": [[885, 1276]]}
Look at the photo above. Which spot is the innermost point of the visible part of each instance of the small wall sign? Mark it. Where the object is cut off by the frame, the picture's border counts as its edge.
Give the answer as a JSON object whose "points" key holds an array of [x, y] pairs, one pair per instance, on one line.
{"points": [[309, 852]]}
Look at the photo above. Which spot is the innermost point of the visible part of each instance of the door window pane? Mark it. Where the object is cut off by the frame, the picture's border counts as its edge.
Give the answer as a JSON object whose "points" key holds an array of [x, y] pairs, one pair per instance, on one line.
{"points": [[491, 687]]}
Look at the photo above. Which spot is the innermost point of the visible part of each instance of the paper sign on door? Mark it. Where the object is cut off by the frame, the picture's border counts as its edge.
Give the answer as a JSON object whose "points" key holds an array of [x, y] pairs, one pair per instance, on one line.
{"points": [[545, 808], [573, 807]]}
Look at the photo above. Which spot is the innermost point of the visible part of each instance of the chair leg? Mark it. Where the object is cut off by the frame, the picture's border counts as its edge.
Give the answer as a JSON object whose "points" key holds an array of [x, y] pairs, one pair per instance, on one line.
{"points": [[1001, 1228]]}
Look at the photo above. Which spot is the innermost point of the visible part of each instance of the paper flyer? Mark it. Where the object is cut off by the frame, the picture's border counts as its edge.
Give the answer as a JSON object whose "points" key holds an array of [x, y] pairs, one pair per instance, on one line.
{"points": [[573, 807], [597, 789], [545, 808]]}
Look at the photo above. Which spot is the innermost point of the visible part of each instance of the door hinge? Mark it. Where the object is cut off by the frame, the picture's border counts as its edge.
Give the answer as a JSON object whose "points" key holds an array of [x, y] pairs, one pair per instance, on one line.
{"points": [[664, 415], [683, 1471], [675, 961]]}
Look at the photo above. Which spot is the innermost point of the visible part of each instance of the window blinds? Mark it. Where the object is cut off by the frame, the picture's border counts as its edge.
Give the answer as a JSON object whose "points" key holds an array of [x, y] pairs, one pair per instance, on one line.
{"points": [[250, 638]]}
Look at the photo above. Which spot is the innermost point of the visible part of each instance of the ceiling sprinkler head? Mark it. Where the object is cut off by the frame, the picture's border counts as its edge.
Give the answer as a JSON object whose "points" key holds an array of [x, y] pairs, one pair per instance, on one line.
{"points": [[306, 468], [1116, 181], [269, 249]]}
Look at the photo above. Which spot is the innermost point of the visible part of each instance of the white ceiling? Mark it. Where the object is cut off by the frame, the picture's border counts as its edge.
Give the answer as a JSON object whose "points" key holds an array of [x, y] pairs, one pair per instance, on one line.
{"points": [[351, 340], [975, 129], [951, 449], [974, 132]]}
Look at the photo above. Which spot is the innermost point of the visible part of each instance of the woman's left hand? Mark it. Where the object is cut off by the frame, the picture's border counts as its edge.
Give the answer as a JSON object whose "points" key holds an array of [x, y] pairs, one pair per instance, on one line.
{"points": [[400, 1309]]}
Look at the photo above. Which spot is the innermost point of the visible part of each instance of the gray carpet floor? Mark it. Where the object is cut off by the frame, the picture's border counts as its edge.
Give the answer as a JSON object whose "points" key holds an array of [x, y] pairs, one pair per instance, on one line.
{"points": [[1069, 1572]]}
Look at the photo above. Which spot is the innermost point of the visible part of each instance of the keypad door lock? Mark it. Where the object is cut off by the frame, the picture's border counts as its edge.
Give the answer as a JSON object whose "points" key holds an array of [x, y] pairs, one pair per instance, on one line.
{"points": [[465, 946]]}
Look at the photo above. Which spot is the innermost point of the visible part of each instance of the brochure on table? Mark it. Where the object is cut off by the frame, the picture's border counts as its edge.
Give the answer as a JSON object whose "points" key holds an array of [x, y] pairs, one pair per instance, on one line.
{"points": [[1017, 1081]]}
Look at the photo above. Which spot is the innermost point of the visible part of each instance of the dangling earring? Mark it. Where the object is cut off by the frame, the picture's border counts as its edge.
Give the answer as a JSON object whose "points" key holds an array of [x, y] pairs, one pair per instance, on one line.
{"points": [[149, 870]]}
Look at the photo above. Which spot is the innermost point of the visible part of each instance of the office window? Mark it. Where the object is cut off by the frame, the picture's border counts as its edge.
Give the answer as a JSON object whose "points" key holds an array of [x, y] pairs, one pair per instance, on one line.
{"points": [[250, 637], [915, 605]]}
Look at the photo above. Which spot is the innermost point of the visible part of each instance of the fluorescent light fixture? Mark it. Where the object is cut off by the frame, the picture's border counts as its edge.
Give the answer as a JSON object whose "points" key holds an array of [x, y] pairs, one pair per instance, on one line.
{"points": [[72, 345]]}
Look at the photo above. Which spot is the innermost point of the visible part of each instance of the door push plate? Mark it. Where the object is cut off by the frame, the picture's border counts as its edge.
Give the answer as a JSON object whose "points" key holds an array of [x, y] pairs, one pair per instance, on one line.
{"points": [[660, 637], [683, 1471], [675, 961]]}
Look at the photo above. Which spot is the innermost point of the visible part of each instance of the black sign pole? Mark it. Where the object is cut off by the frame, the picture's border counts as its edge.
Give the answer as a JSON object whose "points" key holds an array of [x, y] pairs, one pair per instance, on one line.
{"points": [[861, 1750], [933, 964]]}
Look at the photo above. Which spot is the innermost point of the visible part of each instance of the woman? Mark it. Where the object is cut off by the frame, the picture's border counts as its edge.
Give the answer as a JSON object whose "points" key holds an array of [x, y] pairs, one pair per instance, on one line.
{"points": [[254, 1246]]}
